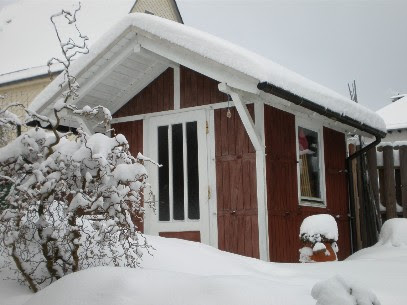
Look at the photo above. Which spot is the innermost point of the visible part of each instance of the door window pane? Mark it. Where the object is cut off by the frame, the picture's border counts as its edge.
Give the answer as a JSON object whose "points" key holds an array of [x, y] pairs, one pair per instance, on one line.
{"points": [[193, 175], [178, 171], [163, 175], [309, 163]]}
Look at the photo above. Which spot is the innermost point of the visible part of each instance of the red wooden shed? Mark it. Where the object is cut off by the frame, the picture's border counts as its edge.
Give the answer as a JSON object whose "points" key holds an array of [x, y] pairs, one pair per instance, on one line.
{"points": [[248, 148]]}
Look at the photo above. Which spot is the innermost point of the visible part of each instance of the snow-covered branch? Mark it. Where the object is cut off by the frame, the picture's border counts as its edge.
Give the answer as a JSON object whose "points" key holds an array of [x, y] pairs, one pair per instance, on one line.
{"points": [[71, 202]]}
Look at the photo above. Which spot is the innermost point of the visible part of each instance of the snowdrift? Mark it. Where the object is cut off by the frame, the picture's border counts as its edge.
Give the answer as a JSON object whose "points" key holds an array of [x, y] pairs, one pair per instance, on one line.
{"points": [[182, 272]]}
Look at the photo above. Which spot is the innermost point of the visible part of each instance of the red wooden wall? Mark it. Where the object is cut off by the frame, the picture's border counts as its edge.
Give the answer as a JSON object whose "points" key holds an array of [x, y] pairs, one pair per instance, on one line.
{"points": [[284, 212], [133, 131], [236, 186], [198, 89], [157, 96]]}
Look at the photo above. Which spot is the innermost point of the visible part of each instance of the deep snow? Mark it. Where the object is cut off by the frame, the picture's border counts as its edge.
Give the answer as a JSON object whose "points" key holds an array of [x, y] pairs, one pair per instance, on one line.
{"points": [[182, 272]]}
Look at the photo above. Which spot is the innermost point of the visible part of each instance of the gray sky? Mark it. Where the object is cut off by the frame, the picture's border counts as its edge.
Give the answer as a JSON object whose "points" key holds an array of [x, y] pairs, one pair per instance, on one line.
{"points": [[331, 42]]}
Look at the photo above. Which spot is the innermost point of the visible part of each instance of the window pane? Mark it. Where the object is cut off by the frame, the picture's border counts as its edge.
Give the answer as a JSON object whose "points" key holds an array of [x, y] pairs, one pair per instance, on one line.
{"points": [[193, 175], [163, 175], [178, 171], [309, 163]]}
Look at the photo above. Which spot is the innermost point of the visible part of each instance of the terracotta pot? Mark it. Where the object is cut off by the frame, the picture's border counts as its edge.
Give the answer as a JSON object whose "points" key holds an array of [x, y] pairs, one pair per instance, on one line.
{"points": [[321, 256]]}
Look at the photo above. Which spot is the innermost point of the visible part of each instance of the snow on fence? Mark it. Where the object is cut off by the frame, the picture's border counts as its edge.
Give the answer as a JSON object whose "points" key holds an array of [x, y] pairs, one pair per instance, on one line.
{"points": [[386, 167], [391, 170]]}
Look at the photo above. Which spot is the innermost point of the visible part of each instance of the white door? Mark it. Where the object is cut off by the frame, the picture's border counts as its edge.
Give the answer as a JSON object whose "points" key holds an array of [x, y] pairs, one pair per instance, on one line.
{"points": [[180, 185]]}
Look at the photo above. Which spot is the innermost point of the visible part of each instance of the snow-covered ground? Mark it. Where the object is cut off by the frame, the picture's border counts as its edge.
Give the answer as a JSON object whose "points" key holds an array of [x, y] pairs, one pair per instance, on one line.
{"points": [[182, 272]]}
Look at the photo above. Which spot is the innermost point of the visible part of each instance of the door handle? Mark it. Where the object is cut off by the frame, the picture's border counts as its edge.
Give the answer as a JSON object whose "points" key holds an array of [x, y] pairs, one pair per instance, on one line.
{"points": [[233, 212]]}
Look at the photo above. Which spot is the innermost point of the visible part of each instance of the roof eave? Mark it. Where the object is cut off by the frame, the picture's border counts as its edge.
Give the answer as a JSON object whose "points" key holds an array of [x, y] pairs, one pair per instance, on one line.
{"points": [[300, 101]]}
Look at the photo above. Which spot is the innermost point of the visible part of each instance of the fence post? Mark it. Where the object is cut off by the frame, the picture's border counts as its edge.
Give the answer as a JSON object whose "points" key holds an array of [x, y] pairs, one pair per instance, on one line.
{"points": [[374, 179], [389, 182], [403, 176]]}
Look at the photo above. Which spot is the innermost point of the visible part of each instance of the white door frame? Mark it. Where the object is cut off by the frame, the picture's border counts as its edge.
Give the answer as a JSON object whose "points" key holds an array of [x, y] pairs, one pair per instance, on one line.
{"points": [[152, 225]]}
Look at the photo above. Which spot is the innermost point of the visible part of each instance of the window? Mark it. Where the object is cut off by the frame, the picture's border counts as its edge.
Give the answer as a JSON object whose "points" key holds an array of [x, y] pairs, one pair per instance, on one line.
{"points": [[310, 165], [178, 177]]}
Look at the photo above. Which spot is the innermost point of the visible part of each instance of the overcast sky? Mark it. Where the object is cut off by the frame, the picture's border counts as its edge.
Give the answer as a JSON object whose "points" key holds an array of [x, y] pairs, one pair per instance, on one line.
{"points": [[329, 41]]}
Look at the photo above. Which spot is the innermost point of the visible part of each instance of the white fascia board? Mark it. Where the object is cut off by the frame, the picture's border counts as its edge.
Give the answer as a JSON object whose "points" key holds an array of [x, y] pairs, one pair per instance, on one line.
{"points": [[106, 67], [50, 100]]}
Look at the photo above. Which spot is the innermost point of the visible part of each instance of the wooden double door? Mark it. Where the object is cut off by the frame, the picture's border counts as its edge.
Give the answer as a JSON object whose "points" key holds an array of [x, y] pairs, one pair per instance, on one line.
{"points": [[236, 186]]}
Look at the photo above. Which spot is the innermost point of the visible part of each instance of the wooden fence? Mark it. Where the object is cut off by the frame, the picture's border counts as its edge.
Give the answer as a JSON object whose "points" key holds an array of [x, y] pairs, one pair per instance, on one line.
{"points": [[380, 183], [391, 165]]}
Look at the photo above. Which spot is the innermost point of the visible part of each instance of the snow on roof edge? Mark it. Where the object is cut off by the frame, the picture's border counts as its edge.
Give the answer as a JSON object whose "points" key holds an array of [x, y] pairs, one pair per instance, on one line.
{"points": [[394, 113], [228, 54]]}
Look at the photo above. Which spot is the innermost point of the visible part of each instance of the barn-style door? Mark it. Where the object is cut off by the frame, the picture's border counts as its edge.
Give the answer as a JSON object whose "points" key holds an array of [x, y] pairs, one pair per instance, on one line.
{"points": [[180, 185], [235, 186]]}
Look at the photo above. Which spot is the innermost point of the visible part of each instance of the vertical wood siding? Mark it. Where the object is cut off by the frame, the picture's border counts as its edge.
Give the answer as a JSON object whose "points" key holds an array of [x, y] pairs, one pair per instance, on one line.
{"points": [[236, 186], [157, 96], [336, 186], [198, 89], [133, 131], [284, 212]]}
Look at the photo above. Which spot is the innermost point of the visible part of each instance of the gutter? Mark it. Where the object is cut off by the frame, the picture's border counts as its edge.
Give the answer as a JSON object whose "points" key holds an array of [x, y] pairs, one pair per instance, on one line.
{"points": [[291, 97]]}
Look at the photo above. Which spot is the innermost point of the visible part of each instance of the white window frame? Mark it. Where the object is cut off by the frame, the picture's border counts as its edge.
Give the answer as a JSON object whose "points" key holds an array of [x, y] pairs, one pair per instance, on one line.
{"points": [[318, 128], [152, 224]]}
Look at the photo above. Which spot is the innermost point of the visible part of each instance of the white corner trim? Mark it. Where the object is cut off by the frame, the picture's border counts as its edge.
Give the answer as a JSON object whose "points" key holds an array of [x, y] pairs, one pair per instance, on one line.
{"points": [[213, 208], [177, 88], [261, 179]]}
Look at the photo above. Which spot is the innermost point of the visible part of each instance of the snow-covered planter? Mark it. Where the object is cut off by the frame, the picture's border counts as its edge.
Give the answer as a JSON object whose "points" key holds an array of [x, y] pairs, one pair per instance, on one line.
{"points": [[319, 236]]}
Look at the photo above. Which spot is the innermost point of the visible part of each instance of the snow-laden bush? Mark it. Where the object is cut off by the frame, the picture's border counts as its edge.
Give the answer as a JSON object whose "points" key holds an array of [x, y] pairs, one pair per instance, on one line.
{"points": [[71, 209], [73, 199]]}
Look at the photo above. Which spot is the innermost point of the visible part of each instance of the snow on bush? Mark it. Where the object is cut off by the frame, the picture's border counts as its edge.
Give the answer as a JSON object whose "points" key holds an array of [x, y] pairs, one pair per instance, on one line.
{"points": [[315, 232], [338, 291], [86, 194], [73, 199]]}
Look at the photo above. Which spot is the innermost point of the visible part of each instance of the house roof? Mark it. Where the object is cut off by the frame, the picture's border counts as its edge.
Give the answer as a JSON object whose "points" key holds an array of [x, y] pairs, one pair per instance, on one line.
{"points": [[210, 55], [27, 37], [395, 114]]}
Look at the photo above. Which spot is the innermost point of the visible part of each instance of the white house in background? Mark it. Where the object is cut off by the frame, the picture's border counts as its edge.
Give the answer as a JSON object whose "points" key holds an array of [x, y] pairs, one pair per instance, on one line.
{"points": [[28, 40], [395, 117], [248, 147]]}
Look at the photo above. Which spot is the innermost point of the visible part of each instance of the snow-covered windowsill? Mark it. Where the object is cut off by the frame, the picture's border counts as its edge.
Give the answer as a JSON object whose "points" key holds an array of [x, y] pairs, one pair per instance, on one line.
{"points": [[312, 202]]}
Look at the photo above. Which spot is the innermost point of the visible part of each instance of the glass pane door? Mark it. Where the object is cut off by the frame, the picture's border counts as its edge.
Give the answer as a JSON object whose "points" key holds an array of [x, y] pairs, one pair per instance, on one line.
{"points": [[178, 177], [178, 142]]}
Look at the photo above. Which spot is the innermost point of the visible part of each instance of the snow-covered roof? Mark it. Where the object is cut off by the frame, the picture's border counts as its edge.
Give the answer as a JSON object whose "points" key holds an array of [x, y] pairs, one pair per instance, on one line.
{"points": [[27, 37], [395, 114], [208, 54]]}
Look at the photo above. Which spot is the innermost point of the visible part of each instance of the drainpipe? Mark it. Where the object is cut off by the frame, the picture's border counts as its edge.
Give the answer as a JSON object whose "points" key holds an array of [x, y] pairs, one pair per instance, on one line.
{"points": [[350, 188]]}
